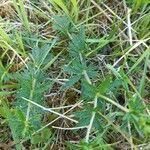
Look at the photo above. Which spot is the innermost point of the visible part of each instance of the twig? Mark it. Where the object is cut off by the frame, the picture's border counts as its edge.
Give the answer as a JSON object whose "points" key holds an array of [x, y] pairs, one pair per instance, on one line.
{"points": [[131, 49], [50, 110], [91, 121], [75, 128], [129, 26], [57, 118]]}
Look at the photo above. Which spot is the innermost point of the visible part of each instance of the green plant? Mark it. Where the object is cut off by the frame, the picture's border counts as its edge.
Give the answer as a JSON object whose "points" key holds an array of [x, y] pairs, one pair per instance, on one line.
{"points": [[75, 75], [31, 80]]}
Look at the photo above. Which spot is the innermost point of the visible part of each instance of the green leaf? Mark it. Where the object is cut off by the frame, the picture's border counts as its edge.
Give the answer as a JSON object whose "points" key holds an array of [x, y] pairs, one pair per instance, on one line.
{"points": [[41, 55], [32, 85], [136, 105], [105, 85], [115, 85], [41, 137], [77, 44], [75, 67], [88, 91], [3, 112], [91, 70], [52, 61], [62, 24], [36, 139], [71, 81], [46, 134], [85, 115]]}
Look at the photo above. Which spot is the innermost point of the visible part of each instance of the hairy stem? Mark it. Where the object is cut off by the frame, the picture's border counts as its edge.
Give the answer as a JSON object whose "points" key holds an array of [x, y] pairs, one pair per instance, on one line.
{"points": [[29, 104]]}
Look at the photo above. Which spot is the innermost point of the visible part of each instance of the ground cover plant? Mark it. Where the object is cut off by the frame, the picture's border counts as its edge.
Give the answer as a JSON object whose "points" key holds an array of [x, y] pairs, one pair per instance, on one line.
{"points": [[74, 74]]}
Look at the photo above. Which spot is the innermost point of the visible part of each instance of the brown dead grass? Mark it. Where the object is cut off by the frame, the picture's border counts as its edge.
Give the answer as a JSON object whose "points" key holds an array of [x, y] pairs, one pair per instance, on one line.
{"points": [[6, 9]]}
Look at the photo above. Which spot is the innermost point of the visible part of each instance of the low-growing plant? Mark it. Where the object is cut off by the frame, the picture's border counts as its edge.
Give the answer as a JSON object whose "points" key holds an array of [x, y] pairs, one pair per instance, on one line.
{"points": [[75, 89]]}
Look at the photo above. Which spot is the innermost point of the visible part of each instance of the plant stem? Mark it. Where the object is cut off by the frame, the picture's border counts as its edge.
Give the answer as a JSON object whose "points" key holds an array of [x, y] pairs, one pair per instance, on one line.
{"points": [[29, 104], [91, 121], [114, 103], [89, 127]]}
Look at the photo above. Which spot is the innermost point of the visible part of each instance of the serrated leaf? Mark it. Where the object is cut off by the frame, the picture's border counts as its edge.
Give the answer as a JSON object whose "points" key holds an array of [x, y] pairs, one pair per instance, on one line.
{"points": [[72, 81], [36, 139], [62, 24], [105, 85], [86, 116], [136, 105], [115, 84], [75, 67], [31, 80], [91, 71], [77, 43], [41, 55], [88, 90], [3, 112]]}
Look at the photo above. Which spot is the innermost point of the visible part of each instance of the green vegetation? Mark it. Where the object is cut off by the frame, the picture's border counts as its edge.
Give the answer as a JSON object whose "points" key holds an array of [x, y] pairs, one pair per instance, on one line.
{"points": [[75, 74]]}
